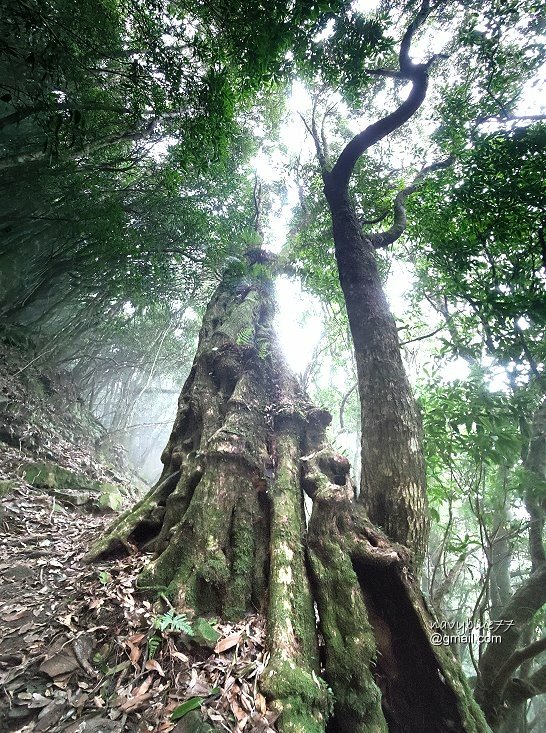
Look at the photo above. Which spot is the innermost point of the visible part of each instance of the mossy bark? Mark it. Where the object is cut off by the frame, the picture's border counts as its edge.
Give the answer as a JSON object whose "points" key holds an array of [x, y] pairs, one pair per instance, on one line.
{"points": [[207, 518], [347, 626], [385, 673], [292, 679]]}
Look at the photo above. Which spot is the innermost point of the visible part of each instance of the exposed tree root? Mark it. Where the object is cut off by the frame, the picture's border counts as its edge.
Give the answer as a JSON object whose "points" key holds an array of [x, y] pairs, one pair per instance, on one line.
{"points": [[227, 527], [376, 628]]}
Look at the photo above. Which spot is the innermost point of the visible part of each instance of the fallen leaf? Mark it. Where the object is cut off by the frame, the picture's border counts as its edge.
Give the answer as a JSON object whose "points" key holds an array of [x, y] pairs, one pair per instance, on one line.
{"points": [[135, 653], [60, 663], [154, 664], [260, 703], [135, 638], [135, 703], [145, 686], [227, 643]]}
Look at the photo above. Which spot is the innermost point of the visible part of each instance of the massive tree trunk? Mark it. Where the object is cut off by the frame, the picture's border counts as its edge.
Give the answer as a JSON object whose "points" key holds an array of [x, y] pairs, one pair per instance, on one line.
{"points": [[227, 527]]}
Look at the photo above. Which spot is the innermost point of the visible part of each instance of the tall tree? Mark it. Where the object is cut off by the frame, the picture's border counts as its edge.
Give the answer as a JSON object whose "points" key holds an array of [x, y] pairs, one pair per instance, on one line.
{"points": [[393, 481], [225, 522]]}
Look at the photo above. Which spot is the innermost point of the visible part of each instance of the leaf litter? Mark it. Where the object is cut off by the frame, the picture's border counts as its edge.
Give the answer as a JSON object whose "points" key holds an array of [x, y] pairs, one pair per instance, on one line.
{"points": [[80, 649]]}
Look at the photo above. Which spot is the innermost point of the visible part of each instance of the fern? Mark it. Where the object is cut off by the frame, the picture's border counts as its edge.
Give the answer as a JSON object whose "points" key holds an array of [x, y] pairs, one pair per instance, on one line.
{"points": [[154, 643], [245, 336], [263, 349], [172, 621]]}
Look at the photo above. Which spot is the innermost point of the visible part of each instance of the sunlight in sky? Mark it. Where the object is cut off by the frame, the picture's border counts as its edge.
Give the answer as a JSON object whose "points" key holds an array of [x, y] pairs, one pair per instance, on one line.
{"points": [[299, 317], [298, 334], [365, 6], [457, 369]]}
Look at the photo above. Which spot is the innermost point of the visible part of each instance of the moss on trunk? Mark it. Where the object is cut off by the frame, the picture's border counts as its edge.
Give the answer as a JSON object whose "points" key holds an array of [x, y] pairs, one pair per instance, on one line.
{"points": [[207, 518], [226, 523], [385, 673]]}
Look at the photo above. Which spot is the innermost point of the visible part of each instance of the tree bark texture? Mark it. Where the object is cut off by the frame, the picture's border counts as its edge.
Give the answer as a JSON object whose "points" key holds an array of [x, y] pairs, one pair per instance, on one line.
{"points": [[393, 476], [348, 631]]}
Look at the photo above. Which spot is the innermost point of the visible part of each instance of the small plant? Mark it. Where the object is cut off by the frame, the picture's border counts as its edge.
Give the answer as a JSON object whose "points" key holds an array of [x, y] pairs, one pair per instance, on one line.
{"points": [[104, 577], [263, 349], [154, 642], [246, 336], [330, 700], [172, 621]]}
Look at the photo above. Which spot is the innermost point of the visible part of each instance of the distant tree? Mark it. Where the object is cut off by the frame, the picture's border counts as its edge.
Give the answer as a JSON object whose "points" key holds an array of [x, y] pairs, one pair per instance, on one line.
{"points": [[481, 268]]}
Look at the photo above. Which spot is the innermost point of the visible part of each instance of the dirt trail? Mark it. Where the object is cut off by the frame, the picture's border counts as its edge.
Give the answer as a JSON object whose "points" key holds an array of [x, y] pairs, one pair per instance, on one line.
{"points": [[80, 648], [43, 592]]}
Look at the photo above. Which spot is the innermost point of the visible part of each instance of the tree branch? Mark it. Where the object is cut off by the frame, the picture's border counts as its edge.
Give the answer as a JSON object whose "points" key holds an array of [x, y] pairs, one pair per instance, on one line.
{"points": [[423, 337], [343, 403], [520, 656], [319, 138], [518, 691], [510, 118], [383, 239], [21, 114], [515, 616], [417, 74], [535, 463], [377, 220], [13, 161]]}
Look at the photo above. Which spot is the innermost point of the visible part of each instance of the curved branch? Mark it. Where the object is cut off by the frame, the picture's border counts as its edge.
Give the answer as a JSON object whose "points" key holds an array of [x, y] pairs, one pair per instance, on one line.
{"points": [[343, 403], [377, 220], [342, 170], [383, 239], [520, 609], [404, 59], [520, 656], [423, 337], [518, 691], [417, 74]]}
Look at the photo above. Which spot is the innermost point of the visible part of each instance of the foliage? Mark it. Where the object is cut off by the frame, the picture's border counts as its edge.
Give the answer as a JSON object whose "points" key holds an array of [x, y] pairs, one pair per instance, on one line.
{"points": [[104, 577], [484, 246], [193, 703], [153, 644], [172, 621], [467, 418]]}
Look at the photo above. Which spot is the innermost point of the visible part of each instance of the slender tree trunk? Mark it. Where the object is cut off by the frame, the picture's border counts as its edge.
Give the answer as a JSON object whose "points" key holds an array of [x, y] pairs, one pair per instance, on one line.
{"points": [[500, 558], [393, 477], [226, 523], [498, 690]]}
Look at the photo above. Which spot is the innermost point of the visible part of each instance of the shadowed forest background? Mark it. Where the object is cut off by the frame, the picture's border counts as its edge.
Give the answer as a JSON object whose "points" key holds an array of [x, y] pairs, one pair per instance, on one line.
{"points": [[272, 389]]}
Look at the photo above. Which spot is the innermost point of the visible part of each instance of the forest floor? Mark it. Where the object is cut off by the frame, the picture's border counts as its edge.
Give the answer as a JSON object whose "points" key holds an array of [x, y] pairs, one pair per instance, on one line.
{"points": [[81, 650]]}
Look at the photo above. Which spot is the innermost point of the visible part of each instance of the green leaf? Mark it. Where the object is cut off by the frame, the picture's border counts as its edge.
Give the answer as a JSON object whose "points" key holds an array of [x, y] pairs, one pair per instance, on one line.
{"points": [[118, 668], [192, 704], [171, 621], [154, 643], [434, 514]]}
